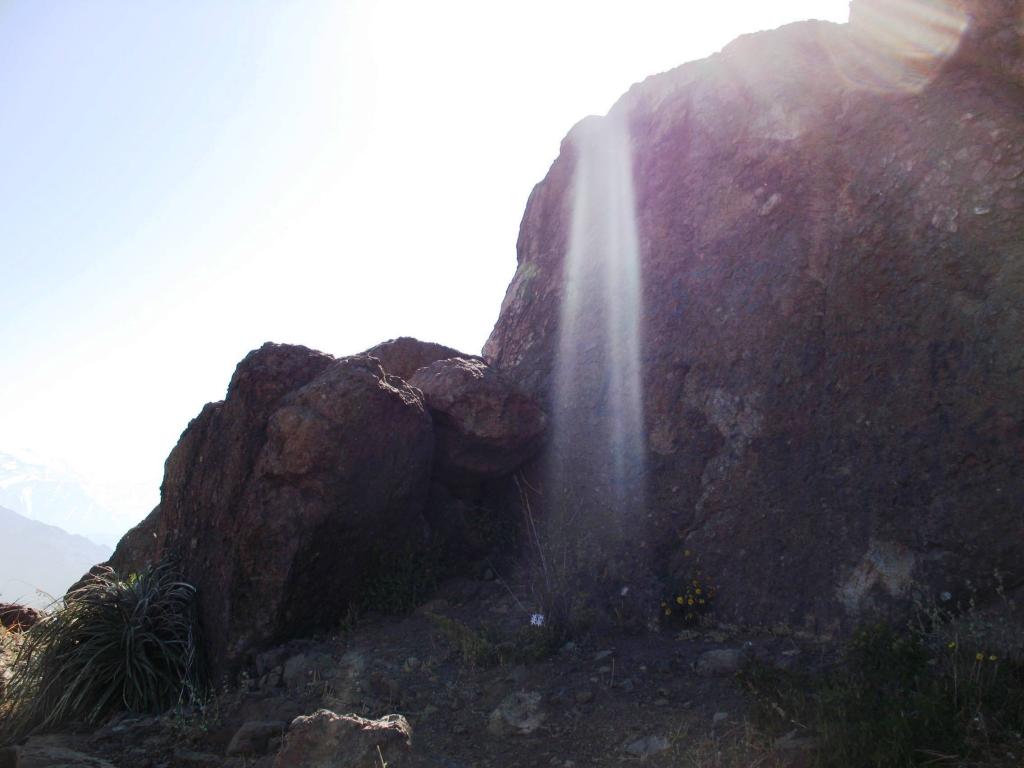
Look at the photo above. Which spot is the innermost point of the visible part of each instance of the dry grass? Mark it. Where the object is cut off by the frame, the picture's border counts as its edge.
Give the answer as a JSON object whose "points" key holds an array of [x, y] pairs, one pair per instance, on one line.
{"points": [[10, 645], [737, 746]]}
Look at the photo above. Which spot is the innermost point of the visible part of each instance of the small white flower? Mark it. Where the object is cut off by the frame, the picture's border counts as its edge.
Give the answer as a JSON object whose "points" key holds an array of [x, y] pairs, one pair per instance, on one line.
{"points": [[537, 620], [624, 592]]}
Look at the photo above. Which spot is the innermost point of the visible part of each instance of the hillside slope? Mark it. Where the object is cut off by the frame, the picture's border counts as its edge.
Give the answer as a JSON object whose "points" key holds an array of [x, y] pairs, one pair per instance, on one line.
{"points": [[41, 560]]}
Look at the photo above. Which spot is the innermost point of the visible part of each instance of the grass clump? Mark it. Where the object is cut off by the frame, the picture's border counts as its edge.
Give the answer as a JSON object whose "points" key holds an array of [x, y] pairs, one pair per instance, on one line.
{"points": [[476, 648], [486, 647], [900, 697], [111, 645], [400, 581]]}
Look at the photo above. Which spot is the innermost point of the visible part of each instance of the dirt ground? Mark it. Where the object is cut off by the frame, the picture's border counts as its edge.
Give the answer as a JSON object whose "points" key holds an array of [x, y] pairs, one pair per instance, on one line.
{"points": [[662, 696]]}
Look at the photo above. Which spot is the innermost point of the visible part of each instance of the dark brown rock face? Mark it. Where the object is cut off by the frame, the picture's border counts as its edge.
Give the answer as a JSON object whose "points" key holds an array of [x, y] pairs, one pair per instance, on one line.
{"points": [[830, 312], [405, 355], [136, 547], [277, 499], [484, 426]]}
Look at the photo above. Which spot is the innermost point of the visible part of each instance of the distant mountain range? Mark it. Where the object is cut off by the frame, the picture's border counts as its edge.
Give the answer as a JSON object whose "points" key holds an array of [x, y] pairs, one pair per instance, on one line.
{"points": [[39, 562], [52, 493]]}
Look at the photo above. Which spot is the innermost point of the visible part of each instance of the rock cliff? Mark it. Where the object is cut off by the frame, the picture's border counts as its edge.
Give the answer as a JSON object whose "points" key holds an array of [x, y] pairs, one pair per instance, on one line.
{"points": [[829, 229]]}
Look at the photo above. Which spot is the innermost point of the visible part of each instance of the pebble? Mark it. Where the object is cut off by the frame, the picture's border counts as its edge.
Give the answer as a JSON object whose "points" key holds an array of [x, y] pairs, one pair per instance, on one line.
{"points": [[647, 746], [721, 662]]}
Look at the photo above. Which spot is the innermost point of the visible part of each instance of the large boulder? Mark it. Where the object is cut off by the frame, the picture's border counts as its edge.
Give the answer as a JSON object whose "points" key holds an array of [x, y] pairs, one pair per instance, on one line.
{"points": [[405, 355], [136, 547], [326, 740], [278, 501], [830, 307], [484, 426]]}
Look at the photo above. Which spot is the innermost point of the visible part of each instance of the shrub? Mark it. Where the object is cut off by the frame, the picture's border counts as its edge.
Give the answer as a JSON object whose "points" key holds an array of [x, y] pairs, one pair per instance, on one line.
{"points": [[111, 645], [899, 698], [476, 648], [486, 647]]}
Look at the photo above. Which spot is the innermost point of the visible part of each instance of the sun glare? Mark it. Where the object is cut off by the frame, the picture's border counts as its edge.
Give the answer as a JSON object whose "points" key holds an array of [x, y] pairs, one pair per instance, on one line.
{"points": [[898, 46]]}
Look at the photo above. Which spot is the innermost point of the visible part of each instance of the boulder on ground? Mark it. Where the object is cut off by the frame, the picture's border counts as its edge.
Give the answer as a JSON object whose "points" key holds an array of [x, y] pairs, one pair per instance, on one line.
{"points": [[518, 714], [405, 355], [719, 662], [253, 737], [278, 501], [485, 426], [328, 740]]}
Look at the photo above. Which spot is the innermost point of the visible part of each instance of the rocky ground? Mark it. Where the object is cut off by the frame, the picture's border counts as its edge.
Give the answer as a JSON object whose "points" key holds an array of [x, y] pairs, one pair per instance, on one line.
{"points": [[664, 696]]}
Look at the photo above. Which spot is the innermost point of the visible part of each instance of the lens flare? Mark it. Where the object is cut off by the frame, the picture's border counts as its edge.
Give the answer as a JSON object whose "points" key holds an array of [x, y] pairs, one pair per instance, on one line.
{"points": [[898, 45], [598, 406]]}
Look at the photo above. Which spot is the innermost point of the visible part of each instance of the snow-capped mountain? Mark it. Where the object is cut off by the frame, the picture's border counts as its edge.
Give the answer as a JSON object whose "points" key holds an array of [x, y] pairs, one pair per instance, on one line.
{"points": [[51, 492]]}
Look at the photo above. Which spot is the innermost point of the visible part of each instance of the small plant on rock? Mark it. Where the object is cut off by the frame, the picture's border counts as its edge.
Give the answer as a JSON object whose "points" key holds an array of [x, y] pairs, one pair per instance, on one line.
{"points": [[111, 645], [691, 601]]}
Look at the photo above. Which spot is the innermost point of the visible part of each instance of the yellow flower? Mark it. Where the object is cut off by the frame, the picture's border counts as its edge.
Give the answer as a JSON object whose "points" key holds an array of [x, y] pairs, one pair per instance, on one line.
{"points": [[689, 601], [993, 658], [952, 644], [979, 656], [697, 590], [679, 600]]}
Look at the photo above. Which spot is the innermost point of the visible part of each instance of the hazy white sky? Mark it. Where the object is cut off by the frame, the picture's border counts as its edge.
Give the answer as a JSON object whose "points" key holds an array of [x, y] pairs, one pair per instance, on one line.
{"points": [[182, 181]]}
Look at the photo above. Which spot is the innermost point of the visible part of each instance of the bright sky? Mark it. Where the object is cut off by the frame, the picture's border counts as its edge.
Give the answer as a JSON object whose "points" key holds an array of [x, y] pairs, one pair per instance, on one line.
{"points": [[182, 181]]}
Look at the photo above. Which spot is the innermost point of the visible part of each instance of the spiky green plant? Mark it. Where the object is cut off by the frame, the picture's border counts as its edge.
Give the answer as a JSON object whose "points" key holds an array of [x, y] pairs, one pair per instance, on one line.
{"points": [[112, 644]]}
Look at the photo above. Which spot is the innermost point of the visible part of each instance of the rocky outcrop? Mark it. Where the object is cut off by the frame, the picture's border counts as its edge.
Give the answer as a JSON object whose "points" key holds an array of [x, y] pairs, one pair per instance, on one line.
{"points": [[136, 547], [281, 502], [830, 252], [277, 500], [326, 740], [404, 356], [484, 426]]}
